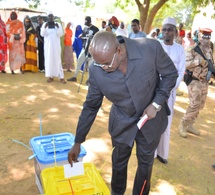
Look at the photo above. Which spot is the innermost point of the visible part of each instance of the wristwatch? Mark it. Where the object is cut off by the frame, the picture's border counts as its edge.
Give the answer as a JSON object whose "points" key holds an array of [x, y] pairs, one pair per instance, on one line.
{"points": [[157, 106]]}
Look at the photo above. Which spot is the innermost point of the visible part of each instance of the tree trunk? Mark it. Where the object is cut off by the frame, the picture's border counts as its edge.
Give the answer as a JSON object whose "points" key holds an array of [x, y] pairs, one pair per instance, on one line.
{"points": [[143, 9], [146, 19]]}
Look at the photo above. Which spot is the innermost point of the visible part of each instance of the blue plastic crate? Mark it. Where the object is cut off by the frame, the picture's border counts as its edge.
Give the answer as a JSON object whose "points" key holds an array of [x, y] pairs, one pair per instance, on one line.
{"points": [[48, 146]]}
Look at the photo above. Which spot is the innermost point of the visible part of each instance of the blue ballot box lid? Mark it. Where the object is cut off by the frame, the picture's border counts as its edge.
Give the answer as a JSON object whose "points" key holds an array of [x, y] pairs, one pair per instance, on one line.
{"points": [[49, 147]]}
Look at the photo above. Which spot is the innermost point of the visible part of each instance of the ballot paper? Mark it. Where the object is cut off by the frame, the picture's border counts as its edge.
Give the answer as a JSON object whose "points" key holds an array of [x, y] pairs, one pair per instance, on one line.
{"points": [[142, 121], [76, 169]]}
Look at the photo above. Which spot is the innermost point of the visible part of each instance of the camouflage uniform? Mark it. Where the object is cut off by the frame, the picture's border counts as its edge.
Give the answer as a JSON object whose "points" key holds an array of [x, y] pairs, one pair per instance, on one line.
{"points": [[197, 89]]}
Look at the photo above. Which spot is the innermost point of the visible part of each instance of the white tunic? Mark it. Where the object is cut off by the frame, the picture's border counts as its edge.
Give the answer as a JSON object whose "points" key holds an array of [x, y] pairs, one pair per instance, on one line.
{"points": [[52, 51], [177, 55]]}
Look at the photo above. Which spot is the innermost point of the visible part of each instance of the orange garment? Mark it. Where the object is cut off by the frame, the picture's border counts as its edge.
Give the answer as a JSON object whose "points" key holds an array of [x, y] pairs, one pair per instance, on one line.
{"points": [[14, 27], [16, 47], [68, 37]]}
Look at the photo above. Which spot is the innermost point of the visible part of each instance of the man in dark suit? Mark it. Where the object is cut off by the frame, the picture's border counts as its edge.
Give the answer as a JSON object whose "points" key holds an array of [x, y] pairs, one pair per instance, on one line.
{"points": [[137, 77]]}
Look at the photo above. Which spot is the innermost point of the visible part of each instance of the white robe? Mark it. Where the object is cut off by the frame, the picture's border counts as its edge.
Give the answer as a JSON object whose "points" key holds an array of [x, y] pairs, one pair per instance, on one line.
{"points": [[177, 55], [52, 51]]}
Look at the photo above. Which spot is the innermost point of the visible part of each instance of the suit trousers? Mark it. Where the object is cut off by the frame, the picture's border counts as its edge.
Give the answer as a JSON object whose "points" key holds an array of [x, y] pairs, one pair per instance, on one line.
{"points": [[145, 157]]}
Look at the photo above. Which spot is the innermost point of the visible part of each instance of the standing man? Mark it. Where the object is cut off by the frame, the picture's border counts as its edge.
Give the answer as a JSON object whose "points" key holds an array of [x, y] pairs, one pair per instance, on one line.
{"points": [[52, 31], [3, 46], [177, 55], [135, 25], [88, 32], [113, 24], [103, 25], [181, 34], [40, 44], [123, 72], [198, 88]]}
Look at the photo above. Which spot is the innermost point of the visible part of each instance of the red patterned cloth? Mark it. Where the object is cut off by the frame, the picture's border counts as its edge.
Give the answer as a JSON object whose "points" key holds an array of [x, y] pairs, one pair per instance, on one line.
{"points": [[3, 45]]}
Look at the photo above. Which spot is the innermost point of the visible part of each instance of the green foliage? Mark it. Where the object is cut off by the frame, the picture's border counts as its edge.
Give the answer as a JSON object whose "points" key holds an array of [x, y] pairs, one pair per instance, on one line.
{"points": [[33, 3], [183, 10], [124, 4], [201, 3], [84, 3]]}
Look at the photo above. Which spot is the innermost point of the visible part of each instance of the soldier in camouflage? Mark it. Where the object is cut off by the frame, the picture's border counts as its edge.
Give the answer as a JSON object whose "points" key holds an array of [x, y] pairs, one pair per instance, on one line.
{"points": [[198, 88]]}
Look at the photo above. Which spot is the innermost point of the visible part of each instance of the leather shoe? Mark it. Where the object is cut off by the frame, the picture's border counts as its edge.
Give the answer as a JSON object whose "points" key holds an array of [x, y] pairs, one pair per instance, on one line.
{"points": [[213, 166], [164, 161], [72, 79]]}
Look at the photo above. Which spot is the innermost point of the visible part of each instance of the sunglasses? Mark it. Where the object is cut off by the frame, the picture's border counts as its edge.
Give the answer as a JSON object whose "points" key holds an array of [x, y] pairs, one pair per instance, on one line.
{"points": [[109, 66], [206, 36], [167, 29]]}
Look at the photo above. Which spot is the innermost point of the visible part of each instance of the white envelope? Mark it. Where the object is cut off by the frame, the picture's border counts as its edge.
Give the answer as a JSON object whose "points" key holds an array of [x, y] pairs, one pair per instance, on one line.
{"points": [[75, 170], [142, 121]]}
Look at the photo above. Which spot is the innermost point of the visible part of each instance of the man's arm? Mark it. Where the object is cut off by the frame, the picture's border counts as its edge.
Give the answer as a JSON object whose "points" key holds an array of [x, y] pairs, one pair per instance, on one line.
{"points": [[43, 32], [38, 34], [180, 67], [90, 108], [168, 75]]}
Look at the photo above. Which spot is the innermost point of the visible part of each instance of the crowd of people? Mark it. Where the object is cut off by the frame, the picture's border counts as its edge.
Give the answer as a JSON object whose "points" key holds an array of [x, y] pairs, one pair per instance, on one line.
{"points": [[138, 73]]}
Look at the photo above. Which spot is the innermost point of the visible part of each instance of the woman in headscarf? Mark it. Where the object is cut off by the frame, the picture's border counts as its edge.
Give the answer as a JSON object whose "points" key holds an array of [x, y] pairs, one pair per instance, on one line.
{"points": [[3, 46], [30, 46], [68, 50], [16, 37], [77, 45]]}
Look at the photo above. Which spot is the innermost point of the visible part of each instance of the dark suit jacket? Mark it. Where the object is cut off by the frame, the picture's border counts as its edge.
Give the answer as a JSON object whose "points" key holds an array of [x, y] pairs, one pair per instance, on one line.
{"points": [[150, 77]]}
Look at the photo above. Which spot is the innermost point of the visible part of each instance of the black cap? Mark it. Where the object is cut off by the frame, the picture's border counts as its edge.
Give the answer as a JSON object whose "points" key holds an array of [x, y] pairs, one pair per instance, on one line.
{"points": [[88, 19]]}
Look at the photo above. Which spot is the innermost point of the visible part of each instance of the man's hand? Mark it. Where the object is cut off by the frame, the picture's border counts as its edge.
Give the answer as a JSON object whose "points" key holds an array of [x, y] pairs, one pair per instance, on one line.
{"points": [[150, 111], [56, 24], [73, 153]]}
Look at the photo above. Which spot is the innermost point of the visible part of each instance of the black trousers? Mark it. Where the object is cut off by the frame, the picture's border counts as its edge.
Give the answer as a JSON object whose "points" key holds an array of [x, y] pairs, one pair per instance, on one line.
{"points": [[41, 56], [145, 157]]}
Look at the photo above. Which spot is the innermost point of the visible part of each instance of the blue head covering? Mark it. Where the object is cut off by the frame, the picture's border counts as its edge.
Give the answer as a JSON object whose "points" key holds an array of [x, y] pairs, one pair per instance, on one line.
{"points": [[78, 31], [77, 44]]}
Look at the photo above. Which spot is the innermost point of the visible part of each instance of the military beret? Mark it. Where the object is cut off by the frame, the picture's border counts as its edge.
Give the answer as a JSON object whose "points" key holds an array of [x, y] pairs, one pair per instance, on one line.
{"points": [[205, 31], [114, 21]]}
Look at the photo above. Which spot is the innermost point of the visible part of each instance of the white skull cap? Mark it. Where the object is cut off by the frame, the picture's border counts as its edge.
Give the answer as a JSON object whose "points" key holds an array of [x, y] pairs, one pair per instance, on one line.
{"points": [[169, 20], [49, 13]]}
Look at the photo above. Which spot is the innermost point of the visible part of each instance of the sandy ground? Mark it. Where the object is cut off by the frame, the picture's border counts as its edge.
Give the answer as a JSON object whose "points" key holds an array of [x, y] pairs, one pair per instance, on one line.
{"points": [[24, 97]]}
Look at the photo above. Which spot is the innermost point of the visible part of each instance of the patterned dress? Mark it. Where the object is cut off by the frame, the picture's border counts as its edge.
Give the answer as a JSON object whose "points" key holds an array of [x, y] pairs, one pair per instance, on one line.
{"points": [[3, 45], [16, 46], [30, 48]]}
